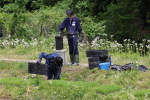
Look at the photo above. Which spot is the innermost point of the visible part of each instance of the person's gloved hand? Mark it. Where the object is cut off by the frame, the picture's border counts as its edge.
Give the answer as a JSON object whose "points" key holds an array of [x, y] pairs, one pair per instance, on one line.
{"points": [[39, 61], [80, 37], [59, 34]]}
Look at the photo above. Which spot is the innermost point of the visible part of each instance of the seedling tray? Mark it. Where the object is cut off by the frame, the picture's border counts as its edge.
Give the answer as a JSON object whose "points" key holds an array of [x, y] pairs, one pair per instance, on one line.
{"points": [[35, 68]]}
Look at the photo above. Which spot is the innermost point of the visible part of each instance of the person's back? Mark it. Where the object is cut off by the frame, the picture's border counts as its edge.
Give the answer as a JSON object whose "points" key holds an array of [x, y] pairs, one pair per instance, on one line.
{"points": [[54, 62]]}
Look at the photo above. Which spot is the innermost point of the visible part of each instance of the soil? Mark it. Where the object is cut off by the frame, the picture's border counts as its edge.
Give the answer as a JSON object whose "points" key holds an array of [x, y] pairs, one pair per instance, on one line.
{"points": [[4, 99], [66, 68], [71, 69], [33, 61]]}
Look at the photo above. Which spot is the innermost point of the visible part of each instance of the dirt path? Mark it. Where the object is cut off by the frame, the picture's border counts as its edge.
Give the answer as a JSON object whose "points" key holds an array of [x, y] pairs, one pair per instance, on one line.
{"points": [[19, 60], [22, 60], [4, 99]]}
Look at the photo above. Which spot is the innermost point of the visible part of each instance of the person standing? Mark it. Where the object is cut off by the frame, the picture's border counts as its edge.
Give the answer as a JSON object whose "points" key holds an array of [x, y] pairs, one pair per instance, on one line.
{"points": [[54, 62], [73, 28]]}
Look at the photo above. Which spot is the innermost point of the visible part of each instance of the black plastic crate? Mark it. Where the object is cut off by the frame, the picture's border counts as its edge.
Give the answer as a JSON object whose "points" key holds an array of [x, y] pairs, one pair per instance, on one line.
{"points": [[105, 59], [93, 59], [93, 65], [100, 53], [97, 53], [59, 42], [59, 47], [89, 53], [35, 68]]}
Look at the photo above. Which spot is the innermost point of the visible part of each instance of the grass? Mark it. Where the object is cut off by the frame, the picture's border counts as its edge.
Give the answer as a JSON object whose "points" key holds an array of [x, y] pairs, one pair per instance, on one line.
{"points": [[104, 89], [142, 93], [124, 58], [17, 83], [77, 82]]}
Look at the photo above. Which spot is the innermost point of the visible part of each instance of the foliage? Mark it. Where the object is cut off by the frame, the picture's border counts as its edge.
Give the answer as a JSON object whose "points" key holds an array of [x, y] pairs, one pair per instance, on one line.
{"points": [[115, 19], [92, 29], [29, 25], [125, 20], [46, 20], [26, 25], [24, 5], [92, 8]]}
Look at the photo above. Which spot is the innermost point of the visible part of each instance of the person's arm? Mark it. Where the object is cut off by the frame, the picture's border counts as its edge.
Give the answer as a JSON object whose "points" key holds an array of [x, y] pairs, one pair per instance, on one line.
{"points": [[62, 26], [80, 31], [44, 55]]}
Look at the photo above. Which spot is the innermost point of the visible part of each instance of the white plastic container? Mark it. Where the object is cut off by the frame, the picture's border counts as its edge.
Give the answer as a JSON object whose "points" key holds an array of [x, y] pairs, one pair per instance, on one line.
{"points": [[63, 54]]}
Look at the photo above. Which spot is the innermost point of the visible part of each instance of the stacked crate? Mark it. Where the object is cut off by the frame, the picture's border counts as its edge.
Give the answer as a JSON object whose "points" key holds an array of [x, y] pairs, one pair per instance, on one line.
{"points": [[60, 50], [95, 57]]}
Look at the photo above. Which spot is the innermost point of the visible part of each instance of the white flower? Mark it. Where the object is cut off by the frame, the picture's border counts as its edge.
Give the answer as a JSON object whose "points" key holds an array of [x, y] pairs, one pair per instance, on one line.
{"points": [[33, 75], [111, 36], [50, 81], [143, 39]]}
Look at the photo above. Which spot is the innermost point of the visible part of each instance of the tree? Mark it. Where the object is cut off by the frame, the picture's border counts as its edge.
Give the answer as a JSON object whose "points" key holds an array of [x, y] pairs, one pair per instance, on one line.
{"points": [[127, 19], [143, 18]]}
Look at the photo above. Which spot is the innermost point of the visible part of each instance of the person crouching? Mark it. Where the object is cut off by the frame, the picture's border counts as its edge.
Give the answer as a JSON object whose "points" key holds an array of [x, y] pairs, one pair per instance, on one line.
{"points": [[54, 62]]}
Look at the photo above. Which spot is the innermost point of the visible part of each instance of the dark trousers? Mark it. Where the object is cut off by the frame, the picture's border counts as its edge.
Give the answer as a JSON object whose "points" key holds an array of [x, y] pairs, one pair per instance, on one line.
{"points": [[53, 74], [73, 44]]}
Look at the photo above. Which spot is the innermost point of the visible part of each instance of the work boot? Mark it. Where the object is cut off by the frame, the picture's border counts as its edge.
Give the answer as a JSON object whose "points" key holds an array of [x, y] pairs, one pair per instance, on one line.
{"points": [[72, 58], [76, 59]]}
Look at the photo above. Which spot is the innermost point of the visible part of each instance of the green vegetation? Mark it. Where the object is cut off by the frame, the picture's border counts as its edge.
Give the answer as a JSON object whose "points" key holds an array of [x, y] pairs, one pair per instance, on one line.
{"points": [[77, 82], [104, 89], [29, 27], [143, 92], [122, 19]]}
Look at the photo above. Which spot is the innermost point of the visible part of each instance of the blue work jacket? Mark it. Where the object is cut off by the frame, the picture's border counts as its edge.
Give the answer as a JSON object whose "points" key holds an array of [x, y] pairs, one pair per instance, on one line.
{"points": [[72, 26], [50, 60]]}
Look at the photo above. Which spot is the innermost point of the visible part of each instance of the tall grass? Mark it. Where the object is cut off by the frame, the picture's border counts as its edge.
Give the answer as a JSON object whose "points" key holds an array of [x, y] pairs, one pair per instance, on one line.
{"points": [[23, 49]]}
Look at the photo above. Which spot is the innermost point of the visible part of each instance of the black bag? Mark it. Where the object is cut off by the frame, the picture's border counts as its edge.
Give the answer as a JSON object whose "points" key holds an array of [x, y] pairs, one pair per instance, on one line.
{"points": [[116, 67], [142, 68], [129, 66], [125, 67]]}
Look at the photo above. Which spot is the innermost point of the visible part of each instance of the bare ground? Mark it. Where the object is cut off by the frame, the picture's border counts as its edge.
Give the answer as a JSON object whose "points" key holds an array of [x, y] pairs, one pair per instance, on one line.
{"points": [[67, 68], [18, 60]]}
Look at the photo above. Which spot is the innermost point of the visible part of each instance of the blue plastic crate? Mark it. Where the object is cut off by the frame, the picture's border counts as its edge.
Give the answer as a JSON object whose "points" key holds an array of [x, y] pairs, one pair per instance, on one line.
{"points": [[104, 66]]}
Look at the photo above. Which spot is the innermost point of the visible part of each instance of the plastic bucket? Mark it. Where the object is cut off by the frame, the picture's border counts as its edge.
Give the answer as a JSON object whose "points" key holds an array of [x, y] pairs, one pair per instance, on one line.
{"points": [[104, 66]]}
